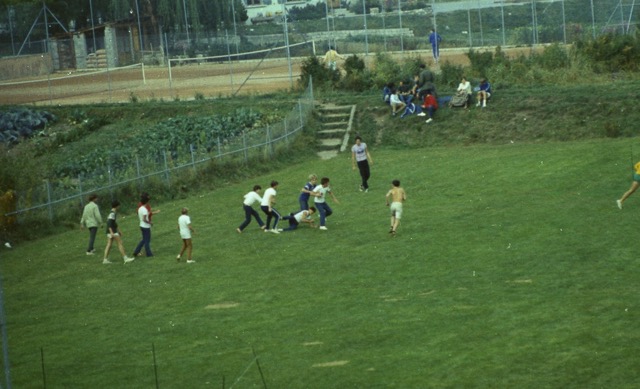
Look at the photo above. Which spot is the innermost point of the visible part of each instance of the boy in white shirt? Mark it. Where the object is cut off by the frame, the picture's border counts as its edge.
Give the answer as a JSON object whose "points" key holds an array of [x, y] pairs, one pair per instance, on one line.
{"points": [[184, 226], [249, 199], [320, 192], [268, 201]]}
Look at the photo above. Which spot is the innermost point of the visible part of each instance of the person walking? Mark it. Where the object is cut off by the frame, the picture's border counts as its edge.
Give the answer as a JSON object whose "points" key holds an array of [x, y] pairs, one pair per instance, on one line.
{"points": [[395, 197], [320, 194], [186, 230], [114, 234], [144, 215], [268, 201], [91, 219], [249, 199], [435, 39], [361, 157]]}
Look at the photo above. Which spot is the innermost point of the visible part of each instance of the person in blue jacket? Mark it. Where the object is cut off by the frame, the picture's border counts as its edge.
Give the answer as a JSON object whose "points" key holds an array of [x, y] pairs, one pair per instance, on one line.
{"points": [[435, 39]]}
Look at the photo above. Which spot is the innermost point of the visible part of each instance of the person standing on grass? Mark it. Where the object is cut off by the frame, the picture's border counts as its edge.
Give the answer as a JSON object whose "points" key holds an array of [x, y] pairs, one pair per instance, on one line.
{"points": [[249, 199], [144, 214], [320, 194], [303, 216], [114, 233], [91, 219], [435, 39], [634, 185], [186, 230], [268, 201], [397, 196], [360, 156], [306, 191]]}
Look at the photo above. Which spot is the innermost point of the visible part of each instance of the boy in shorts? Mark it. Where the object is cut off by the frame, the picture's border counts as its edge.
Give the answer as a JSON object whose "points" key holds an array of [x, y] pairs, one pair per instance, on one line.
{"points": [[397, 196], [114, 233]]}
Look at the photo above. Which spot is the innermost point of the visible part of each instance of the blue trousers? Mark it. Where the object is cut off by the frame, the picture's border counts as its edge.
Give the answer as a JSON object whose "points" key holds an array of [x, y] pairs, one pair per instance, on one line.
{"points": [[146, 242], [325, 211], [248, 213]]}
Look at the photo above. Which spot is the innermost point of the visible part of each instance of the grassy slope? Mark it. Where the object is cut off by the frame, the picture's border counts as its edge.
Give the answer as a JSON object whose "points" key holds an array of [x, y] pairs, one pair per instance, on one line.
{"points": [[512, 267]]}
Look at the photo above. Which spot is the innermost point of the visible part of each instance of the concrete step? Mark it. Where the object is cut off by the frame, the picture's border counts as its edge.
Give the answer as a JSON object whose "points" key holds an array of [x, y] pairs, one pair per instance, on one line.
{"points": [[331, 133], [333, 143]]}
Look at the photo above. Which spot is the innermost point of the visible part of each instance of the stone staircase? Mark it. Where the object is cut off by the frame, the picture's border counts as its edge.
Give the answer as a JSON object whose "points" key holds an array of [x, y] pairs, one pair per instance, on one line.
{"points": [[337, 121]]}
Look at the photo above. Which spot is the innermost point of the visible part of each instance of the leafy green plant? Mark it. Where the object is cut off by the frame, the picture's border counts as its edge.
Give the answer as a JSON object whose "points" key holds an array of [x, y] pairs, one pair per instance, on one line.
{"points": [[322, 76]]}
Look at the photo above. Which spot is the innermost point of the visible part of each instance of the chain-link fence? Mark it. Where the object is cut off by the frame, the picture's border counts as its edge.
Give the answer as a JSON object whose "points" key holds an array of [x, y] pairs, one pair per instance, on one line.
{"points": [[165, 168], [357, 27]]}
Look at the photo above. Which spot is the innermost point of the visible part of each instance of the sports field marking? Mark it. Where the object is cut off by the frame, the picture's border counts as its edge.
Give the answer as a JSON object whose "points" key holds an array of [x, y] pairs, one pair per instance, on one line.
{"points": [[222, 306], [316, 343], [330, 364]]}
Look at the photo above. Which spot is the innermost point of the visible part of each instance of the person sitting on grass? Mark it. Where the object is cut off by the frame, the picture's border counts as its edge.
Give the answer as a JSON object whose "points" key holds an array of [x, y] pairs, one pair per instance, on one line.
{"points": [[386, 92], [430, 105], [397, 104], [484, 93], [464, 89]]}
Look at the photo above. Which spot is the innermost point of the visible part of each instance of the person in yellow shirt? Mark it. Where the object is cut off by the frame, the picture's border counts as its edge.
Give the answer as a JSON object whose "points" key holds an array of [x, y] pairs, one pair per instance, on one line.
{"points": [[331, 58], [634, 185]]}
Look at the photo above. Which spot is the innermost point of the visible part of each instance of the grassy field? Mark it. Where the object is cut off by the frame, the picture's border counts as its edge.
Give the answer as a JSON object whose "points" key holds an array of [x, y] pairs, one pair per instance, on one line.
{"points": [[512, 267]]}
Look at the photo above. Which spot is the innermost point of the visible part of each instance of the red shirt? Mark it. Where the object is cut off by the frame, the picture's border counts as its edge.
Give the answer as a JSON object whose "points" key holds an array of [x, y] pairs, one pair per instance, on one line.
{"points": [[430, 101]]}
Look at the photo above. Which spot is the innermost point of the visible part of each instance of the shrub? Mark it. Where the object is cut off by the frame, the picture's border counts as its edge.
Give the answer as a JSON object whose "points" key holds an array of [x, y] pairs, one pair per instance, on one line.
{"points": [[385, 70], [322, 76], [553, 57], [451, 74], [480, 62]]}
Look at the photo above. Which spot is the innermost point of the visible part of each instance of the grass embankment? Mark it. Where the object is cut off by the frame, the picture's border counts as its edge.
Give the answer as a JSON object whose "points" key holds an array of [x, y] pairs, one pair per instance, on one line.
{"points": [[512, 268]]}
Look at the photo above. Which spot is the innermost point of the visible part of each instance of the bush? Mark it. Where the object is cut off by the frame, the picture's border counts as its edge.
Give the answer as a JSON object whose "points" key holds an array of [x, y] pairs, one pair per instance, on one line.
{"points": [[612, 53], [322, 76], [385, 70]]}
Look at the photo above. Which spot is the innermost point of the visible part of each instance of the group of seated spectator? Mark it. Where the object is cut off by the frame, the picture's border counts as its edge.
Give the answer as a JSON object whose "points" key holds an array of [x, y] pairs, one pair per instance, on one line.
{"points": [[422, 97]]}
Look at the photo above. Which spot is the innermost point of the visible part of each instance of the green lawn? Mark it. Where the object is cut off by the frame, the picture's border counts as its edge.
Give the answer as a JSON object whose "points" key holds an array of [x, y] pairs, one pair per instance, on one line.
{"points": [[512, 268]]}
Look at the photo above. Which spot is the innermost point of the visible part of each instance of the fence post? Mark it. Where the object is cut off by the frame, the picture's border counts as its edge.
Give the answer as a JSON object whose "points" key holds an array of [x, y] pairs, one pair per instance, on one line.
{"points": [[138, 173], [48, 188], [269, 145], [244, 145], [110, 187], [193, 159], [80, 188], [166, 167], [286, 132], [300, 112]]}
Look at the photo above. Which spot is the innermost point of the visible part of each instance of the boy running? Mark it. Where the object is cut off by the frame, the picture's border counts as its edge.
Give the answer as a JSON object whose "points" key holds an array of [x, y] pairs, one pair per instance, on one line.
{"points": [[320, 192], [398, 197]]}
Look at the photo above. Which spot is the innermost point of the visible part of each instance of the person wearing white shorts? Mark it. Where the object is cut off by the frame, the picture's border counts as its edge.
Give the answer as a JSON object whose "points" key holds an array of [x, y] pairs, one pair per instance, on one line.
{"points": [[395, 197]]}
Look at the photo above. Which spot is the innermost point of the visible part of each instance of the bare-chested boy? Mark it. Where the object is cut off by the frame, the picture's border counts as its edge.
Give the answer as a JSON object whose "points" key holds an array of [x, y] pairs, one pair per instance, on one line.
{"points": [[397, 196]]}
